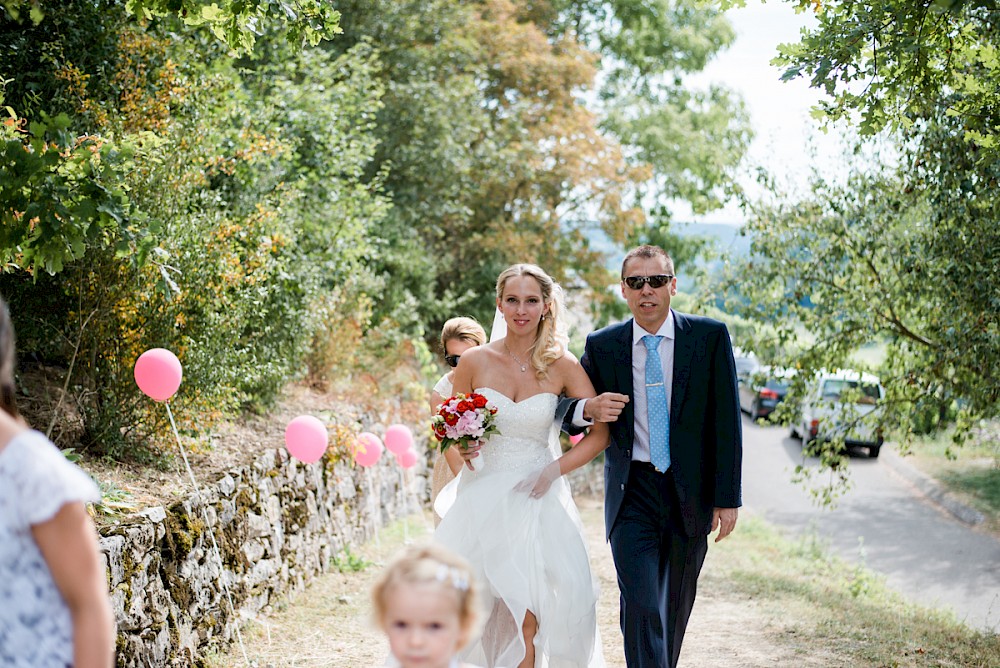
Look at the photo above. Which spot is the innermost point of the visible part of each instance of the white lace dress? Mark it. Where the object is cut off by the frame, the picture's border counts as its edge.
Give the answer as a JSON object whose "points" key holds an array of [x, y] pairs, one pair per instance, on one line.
{"points": [[36, 481], [529, 554]]}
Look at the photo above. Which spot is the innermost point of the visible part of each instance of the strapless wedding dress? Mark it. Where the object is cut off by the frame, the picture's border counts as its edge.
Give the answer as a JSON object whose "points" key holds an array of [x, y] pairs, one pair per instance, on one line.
{"points": [[529, 554]]}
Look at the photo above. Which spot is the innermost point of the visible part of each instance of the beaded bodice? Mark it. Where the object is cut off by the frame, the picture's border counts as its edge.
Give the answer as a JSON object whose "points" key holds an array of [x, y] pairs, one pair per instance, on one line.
{"points": [[523, 441]]}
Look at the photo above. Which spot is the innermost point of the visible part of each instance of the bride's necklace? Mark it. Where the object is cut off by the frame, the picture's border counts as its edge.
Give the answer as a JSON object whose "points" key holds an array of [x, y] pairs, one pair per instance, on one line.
{"points": [[524, 367]]}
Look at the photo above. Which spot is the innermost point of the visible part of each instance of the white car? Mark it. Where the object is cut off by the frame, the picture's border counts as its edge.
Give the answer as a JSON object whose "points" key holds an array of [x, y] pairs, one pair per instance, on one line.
{"points": [[840, 405], [746, 362]]}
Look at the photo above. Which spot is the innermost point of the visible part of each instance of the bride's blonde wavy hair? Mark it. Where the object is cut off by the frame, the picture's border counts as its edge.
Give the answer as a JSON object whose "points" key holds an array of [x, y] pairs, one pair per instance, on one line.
{"points": [[550, 340]]}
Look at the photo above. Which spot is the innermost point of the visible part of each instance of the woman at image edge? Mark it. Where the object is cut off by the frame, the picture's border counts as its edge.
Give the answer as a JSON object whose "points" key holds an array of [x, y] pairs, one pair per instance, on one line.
{"points": [[54, 606], [511, 514]]}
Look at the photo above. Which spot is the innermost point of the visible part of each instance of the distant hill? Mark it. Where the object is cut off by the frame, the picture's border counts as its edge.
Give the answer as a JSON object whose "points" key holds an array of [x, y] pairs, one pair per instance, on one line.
{"points": [[725, 237]]}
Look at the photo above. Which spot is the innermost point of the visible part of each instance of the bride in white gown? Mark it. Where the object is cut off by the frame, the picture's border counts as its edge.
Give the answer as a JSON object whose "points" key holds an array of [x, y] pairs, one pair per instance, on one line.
{"points": [[510, 512]]}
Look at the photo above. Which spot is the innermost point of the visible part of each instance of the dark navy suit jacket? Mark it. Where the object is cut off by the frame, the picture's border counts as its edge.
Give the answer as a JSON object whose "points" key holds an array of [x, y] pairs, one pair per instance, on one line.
{"points": [[706, 440]]}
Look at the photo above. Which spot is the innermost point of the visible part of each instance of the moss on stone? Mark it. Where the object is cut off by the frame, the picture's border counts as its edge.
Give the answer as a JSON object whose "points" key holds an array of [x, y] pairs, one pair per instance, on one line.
{"points": [[231, 546], [127, 588], [182, 532]]}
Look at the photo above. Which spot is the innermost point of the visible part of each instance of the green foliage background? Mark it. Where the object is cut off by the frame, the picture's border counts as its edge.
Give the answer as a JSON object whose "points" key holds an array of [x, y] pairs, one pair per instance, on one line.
{"points": [[905, 251], [279, 191]]}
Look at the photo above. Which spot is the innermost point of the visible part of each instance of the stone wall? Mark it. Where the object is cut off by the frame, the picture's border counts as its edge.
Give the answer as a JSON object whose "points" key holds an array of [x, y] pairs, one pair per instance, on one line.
{"points": [[277, 524]]}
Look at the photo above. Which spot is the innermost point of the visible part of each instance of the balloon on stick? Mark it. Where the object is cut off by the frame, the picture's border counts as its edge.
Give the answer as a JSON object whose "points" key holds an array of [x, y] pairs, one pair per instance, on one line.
{"points": [[306, 438], [368, 449], [407, 458], [158, 373], [398, 439]]}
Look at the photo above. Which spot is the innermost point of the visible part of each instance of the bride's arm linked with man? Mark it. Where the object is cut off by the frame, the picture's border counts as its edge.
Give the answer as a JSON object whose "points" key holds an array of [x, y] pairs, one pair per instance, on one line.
{"points": [[662, 404]]}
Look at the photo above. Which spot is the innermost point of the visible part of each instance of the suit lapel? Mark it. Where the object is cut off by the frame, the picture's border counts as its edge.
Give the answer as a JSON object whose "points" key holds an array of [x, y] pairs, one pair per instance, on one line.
{"points": [[683, 352], [623, 379]]}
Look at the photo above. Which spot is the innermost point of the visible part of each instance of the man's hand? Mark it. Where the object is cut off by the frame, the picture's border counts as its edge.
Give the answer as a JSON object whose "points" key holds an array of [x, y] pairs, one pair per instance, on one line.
{"points": [[471, 452], [605, 407], [724, 519]]}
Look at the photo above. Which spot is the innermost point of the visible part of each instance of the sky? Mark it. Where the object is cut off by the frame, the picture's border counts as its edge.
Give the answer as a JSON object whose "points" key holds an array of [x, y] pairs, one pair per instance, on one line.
{"points": [[779, 111]]}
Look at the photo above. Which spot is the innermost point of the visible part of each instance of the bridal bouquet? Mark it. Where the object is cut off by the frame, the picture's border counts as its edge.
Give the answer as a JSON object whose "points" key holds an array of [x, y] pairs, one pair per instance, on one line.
{"points": [[464, 418]]}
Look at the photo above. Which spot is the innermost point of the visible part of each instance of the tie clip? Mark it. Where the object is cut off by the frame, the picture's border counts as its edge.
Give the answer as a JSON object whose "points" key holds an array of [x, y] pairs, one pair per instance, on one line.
{"points": [[654, 384]]}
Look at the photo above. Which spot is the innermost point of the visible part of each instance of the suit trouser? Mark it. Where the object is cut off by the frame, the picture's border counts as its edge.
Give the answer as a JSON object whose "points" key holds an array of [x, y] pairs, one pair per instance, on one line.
{"points": [[658, 567]]}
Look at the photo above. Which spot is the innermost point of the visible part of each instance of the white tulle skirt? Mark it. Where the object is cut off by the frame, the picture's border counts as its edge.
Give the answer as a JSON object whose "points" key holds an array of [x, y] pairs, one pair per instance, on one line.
{"points": [[529, 555]]}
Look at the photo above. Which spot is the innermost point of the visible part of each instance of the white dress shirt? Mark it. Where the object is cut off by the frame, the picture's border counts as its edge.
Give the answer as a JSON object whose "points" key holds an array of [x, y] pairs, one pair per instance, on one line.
{"points": [[640, 444]]}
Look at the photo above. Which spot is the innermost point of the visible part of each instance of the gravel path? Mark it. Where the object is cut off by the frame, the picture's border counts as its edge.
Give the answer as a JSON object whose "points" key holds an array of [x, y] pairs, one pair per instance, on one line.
{"points": [[329, 625]]}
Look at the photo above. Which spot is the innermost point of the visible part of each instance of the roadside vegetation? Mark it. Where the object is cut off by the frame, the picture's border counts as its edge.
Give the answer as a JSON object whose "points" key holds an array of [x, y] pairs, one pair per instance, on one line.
{"points": [[971, 472], [834, 607], [895, 247]]}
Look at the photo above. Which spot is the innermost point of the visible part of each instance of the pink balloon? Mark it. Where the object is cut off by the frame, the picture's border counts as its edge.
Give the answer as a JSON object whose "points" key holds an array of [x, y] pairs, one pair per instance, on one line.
{"points": [[368, 450], [158, 373], [406, 458], [398, 438], [306, 438], [576, 439]]}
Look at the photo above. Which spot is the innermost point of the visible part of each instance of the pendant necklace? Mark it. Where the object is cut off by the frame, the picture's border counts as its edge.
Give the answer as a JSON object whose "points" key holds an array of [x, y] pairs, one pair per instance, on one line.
{"points": [[524, 367]]}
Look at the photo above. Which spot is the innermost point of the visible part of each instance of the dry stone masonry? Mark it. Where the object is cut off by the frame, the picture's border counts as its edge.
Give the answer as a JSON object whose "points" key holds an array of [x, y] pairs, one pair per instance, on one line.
{"points": [[277, 522]]}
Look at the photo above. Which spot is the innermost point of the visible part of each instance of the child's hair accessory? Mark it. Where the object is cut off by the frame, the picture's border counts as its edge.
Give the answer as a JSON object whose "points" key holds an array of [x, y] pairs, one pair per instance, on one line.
{"points": [[448, 574]]}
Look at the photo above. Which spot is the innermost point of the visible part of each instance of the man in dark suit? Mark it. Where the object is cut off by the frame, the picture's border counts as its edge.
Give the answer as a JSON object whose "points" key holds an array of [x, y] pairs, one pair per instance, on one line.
{"points": [[667, 382]]}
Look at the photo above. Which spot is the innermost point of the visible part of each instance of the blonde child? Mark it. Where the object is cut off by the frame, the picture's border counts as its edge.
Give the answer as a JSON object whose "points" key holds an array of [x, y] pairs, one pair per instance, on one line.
{"points": [[426, 602]]}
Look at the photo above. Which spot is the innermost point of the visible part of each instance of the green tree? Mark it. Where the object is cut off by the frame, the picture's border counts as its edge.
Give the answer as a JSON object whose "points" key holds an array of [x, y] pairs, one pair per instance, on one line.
{"points": [[62, 70], [693, 140], [493, 153], [236, 22], [905, 249], [245, 182]]}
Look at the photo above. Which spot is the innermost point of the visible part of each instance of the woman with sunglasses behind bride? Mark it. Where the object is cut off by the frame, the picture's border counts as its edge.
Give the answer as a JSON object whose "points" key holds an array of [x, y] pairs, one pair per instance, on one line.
{"points": [[511, 513], [457, 336]]}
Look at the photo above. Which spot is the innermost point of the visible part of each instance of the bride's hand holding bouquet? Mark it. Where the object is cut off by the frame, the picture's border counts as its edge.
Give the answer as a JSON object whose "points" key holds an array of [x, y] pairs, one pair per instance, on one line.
{"points": [[463, 421]]}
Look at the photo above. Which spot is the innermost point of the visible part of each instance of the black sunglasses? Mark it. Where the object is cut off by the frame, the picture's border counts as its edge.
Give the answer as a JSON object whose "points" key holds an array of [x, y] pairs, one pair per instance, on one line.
{"points": [[657, 281], [452, 360]]}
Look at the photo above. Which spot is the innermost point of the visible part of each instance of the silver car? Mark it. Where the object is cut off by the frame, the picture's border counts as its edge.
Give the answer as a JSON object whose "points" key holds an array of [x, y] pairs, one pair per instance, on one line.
{"points": [[841, 405]]}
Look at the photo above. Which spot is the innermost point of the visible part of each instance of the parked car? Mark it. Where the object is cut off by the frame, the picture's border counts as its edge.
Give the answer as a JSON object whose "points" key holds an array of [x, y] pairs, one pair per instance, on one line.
{"points": [[746, 362], [836, 404], [762, 390]]}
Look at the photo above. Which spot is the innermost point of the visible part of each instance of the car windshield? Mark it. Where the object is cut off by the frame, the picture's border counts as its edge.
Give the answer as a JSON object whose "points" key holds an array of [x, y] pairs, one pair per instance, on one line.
{"points": [[776, 385], [833, 389]]}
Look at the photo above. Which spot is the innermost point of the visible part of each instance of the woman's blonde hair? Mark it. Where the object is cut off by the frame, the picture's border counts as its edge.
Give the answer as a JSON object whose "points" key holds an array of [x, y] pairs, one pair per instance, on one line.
{"points": [[431, 564], [463, 329], [550, 339]]}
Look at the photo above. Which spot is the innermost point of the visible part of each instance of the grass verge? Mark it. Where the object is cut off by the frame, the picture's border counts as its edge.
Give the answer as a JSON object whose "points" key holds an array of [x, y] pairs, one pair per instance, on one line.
{"points": [[970, 472], [830, 607]]}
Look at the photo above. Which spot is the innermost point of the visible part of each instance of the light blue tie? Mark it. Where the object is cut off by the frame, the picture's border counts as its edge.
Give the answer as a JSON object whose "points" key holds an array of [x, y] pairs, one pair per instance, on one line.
{"points": [[656, 406]]}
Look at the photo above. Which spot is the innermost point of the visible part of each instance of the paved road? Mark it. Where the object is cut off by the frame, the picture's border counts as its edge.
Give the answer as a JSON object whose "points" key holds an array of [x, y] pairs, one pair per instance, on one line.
{"points": [[924, 552]]}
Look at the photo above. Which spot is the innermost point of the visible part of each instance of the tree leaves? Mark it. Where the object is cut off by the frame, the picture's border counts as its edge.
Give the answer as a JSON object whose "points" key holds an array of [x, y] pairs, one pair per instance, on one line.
{"points": [[60, 195], [239, 22], [904, 252]]}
